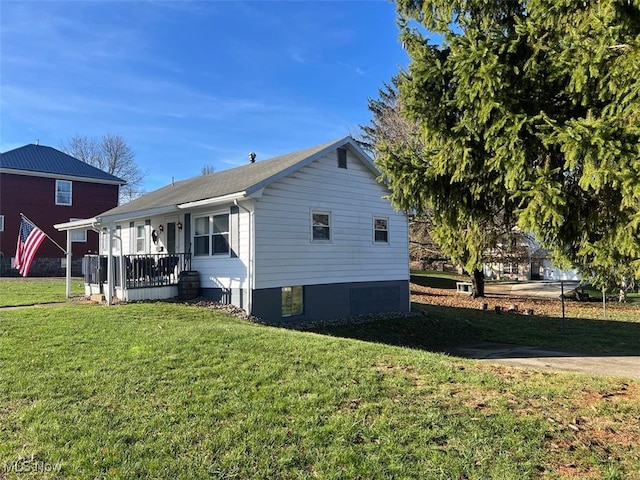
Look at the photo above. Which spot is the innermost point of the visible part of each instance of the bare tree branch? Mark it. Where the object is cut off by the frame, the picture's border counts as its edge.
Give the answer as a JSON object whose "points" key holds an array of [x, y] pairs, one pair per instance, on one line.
{"points": [[112, 154]]}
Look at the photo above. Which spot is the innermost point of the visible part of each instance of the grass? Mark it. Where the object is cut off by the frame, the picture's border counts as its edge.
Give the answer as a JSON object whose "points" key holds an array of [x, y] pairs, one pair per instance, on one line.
{"points": [[29, 291], [595, 294], [173, 391], [443, 327], [438, 279]]}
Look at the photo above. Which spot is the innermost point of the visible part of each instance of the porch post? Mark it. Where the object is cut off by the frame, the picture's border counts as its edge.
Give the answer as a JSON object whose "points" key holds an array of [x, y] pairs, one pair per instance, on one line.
{"points": [[68, 272], [110, 264]]}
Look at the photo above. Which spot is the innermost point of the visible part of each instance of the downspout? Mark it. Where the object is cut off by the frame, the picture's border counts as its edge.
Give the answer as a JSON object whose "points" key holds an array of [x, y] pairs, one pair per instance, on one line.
{"points": [[250, 267]]}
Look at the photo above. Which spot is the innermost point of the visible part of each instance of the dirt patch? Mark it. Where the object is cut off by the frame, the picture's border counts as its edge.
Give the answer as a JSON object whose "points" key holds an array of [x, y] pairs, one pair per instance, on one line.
{"points": [[540, 306], [450, 298]]}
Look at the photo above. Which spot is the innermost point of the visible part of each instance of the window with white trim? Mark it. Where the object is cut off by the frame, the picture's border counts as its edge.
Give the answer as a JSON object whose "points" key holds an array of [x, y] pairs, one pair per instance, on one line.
{"points": [[63, 192], [211, 235], [141, 238], [292, 301], [320, 226], [1, 223], [116, 240], [380, 230], [79, 236]]}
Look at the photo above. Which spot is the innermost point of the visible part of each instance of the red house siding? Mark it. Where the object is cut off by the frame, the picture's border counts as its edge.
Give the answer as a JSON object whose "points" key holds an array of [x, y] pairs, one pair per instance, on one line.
{"points": [[35, 197]]}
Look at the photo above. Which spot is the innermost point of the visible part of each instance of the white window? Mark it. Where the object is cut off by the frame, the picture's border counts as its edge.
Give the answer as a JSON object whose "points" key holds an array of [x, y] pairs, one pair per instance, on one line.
{"points": [[79, 236], [320, 226], [292, 301], [220, 238], [380, 230], [115, 242], [211, 235], [201, 236], [1, 223], [141, 239], [63, 192]]}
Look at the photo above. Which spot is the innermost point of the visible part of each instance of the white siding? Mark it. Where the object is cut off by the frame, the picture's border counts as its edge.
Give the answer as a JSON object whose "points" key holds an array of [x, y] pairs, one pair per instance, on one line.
{"points": [[550, 272], [216, 271], [128, 235], [156, 293], [224, 271], [285, 254]]}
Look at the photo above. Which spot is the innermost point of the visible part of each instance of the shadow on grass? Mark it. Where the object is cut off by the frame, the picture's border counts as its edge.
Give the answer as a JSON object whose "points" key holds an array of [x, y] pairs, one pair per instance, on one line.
{"points": [[436, 282], [441, 329]]}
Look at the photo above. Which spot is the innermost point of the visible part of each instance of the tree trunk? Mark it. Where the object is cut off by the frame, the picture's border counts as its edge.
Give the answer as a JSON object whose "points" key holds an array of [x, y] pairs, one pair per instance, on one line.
{"points": [[477, 281], [622, 298], [625, 286]]}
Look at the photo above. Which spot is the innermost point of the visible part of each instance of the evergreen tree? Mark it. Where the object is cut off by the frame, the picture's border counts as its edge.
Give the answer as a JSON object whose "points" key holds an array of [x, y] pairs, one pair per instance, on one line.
{"points": [[528, 113]]}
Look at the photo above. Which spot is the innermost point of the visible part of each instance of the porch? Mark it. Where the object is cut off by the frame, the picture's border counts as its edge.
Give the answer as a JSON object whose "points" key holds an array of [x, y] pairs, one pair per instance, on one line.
{"points": [[137, 276]]}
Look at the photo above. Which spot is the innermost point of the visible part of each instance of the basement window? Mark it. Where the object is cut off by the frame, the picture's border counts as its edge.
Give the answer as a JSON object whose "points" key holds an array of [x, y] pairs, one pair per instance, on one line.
{"points": [[292, 301]]}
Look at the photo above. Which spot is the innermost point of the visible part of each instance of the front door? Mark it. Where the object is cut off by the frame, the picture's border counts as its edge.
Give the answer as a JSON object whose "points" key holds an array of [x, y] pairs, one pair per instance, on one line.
{"points": [[171, 237]]}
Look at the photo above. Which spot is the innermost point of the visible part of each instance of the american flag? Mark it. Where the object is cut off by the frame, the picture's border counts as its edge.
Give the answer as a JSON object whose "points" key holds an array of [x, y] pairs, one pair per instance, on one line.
{"points": [[29, 239]]}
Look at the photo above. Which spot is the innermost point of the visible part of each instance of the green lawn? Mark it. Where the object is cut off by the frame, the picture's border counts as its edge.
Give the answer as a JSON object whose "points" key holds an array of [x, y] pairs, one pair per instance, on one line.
{"points": [[442, 327], [438, 279], [170, 391], [29, 291]]}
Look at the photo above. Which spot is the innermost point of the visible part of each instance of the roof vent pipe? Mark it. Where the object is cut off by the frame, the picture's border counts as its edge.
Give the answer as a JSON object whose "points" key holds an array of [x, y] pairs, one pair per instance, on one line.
{"points": [[252, 157]]}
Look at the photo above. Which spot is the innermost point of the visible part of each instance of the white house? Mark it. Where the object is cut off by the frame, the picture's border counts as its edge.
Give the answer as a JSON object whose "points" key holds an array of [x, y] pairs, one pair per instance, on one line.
{"points": [[303, 236], [524, 260]]}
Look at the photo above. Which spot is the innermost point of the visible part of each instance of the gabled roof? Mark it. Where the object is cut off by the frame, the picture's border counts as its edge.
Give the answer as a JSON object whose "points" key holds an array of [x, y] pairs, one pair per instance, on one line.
{"points": [[47, 160], [236, 182]]}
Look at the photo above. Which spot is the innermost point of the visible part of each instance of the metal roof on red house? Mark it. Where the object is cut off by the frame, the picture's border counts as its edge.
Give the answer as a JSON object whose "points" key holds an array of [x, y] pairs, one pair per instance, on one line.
{"points": [[47, 160]]}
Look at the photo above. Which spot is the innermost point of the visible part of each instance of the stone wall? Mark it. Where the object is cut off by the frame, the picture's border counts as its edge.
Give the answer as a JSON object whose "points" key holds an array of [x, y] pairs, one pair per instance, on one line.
{"points": [[47, 267]]}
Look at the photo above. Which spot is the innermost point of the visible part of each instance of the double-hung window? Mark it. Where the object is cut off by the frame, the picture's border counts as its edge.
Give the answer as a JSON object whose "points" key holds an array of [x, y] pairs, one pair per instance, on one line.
{"points": [[320, 226], [211, 235], [201, 236], [380, 230], [63, 192], [141, 239]]}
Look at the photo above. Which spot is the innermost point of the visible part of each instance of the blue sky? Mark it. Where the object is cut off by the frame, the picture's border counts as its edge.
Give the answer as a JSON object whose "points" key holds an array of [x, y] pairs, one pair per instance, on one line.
{"points": [[189, 84]]}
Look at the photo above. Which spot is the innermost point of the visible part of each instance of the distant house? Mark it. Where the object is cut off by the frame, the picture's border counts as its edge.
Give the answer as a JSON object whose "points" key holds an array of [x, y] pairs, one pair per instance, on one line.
{"points": [[523, 259], [304, 236], [49, 186]]}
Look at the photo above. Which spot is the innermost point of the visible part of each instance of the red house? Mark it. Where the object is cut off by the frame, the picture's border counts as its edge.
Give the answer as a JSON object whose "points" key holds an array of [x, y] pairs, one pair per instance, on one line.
{"points": [[49, 187]]}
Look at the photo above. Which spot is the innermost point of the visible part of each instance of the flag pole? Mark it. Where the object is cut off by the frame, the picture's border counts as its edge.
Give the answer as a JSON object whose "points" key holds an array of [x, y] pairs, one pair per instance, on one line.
{"points": [[45, 233]]}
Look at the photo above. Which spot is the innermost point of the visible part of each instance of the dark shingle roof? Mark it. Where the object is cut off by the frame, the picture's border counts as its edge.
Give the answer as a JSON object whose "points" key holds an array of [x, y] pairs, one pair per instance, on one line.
{"points": [[39, 158], [247, 178]]}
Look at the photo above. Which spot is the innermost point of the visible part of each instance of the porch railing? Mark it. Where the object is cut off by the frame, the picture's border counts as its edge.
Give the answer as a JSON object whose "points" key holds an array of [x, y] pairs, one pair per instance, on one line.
{"points": [[140, 270]]}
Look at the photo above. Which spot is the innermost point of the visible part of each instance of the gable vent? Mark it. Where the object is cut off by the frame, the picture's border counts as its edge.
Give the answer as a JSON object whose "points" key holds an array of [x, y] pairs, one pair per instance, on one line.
{"points": [[342, 158]]}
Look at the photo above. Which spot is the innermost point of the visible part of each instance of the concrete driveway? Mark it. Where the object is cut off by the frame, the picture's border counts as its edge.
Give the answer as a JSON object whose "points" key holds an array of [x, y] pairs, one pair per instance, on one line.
{"points": [[534, 289], [551, 359]]}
